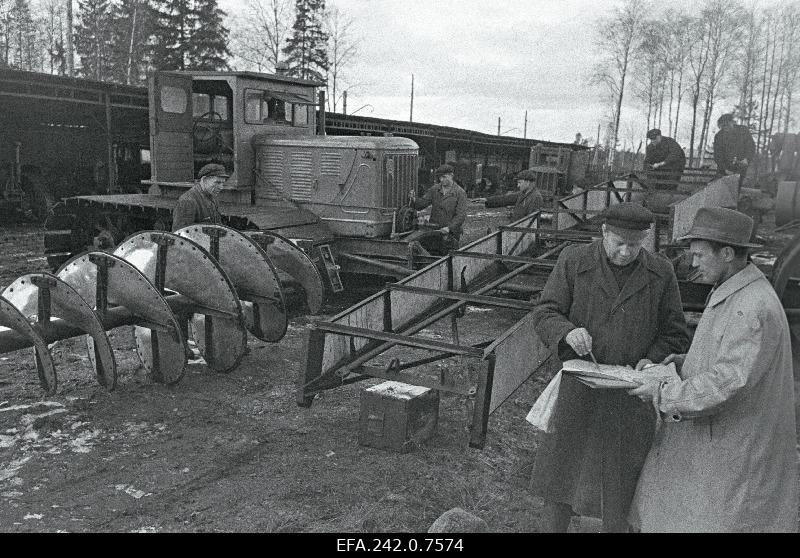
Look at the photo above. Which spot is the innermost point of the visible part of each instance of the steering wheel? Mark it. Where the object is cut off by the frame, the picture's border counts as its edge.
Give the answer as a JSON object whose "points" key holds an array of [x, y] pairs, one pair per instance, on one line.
{"points": [[203, 133], [207, 134]]}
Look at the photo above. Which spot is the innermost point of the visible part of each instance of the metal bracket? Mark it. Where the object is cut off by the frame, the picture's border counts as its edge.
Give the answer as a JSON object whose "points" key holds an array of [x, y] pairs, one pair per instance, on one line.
{"points": [[331, 268]]}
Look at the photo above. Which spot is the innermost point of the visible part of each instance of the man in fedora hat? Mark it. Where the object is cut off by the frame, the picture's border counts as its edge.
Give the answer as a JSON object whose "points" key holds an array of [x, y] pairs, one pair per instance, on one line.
{"points": [[665, 159], [526, 200], [199, 203], [614, 301], [724, 458], [448, 203]]}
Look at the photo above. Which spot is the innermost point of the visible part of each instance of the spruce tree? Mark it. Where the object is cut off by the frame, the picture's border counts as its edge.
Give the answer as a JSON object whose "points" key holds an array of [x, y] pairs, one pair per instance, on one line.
{"points": [[210, 38], [307, 49], [189, 35], [175, 21], [132, 28], [93, 38]]}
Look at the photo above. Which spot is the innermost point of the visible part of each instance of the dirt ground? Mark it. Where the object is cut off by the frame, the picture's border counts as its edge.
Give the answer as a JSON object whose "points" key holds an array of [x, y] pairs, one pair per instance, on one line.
{"points": [[233, 452]]}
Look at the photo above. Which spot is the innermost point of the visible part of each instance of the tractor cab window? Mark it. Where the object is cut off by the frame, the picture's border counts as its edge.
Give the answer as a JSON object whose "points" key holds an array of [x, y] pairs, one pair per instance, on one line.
{"points": [[265, 107], [209, 107], [173, 99]]}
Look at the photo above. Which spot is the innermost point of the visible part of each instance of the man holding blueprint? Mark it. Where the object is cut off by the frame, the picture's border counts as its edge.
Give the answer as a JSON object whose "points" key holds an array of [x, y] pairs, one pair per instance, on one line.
{"points": [[615, 303]]}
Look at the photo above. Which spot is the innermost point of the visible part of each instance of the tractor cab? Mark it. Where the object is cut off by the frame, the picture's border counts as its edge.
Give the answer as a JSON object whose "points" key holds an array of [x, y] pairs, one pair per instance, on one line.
{"points": [[212, 117]]}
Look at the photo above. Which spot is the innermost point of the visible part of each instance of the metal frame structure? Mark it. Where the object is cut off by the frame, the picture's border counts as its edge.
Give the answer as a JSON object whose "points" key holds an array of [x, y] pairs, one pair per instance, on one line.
{"points": [[492, 271]]}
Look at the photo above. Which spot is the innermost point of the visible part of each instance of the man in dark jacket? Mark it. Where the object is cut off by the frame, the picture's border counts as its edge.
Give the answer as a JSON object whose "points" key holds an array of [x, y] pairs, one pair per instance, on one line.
{"points": [[525, 201], [619, 303], [734, 148], [199, 203], [665, 160], [448, 203]]}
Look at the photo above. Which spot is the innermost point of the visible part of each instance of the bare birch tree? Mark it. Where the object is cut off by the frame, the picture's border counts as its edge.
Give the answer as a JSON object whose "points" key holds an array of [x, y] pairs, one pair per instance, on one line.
{"points": [[724, 24], [343, 48], [261, 33], [617, 37]]}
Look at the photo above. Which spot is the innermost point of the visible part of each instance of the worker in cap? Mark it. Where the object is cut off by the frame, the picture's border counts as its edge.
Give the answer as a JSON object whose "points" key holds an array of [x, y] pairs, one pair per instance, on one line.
{"points": [[448, 202], [526, 200], [615, 302], [734, 148], [199, 203], [664, 160], [725, 457]]}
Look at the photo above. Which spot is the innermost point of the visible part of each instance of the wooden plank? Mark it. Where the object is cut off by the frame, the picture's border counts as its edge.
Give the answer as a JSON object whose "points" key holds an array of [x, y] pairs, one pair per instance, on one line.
{"points": [[719, 193]]}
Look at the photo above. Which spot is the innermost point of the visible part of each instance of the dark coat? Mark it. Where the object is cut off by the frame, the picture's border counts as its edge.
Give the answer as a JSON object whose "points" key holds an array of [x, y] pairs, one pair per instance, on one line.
{"points": [[194, 206], [735, 143], [446, 211], [668, 151], [645, 320], [524, 203]]}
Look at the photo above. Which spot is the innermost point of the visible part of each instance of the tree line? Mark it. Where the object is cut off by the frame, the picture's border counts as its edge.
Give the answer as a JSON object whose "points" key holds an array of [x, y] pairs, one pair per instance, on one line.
{"points": [[122, 40], [681, 68]]}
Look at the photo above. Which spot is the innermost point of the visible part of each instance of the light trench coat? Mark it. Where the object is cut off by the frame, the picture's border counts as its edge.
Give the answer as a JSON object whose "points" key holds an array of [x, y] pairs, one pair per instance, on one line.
{"points": [[725, 457]]}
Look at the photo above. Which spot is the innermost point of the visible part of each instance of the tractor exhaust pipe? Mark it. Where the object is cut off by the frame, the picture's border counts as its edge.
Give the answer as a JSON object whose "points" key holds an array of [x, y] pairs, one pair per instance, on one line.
{"points": [[321, 121]]}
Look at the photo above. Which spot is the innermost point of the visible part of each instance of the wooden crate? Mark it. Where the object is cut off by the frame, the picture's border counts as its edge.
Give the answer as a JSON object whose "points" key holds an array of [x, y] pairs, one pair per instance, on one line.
{"points": [[397, 416]]}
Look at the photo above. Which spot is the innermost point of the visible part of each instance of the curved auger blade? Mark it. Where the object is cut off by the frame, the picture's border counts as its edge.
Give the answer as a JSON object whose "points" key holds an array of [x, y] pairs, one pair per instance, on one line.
{"points": [[183, 266], [45, 293], [289, 258], [249, 268], [12, 318], [159, 342]]}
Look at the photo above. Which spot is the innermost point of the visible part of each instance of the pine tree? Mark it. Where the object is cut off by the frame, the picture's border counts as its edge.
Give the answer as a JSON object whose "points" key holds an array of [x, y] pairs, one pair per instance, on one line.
{"points": [[307, 49], [93, 38], [20, 35], [210, 38]]}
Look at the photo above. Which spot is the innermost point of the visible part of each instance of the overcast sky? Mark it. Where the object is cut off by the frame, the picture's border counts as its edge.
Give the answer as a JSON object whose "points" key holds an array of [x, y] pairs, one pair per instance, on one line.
{"points": [[476, 60]]}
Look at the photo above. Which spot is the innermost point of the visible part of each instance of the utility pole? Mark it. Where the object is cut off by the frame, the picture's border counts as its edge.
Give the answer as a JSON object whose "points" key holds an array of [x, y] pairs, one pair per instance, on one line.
{"points": [[344, 102], [411, 112], [70, 60], [525, 128], [498, 125]]}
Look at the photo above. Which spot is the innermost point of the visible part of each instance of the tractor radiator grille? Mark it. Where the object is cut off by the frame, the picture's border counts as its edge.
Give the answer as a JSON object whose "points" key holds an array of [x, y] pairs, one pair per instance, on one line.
{"points": [[399, 178], [272, 175], [302, 173], [330, 164]]}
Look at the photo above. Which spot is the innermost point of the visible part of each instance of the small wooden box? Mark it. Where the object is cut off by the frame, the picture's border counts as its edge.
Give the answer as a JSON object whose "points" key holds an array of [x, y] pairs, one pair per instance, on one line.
{"points": [[397, 416]]}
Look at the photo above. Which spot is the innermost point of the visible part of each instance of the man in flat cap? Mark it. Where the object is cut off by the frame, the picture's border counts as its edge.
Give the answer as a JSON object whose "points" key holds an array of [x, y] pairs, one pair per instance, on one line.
{"points": [[724, 458], [665, 160], [199, 203], [614, 301], [448, 203], [734, 148], [526, 200]]}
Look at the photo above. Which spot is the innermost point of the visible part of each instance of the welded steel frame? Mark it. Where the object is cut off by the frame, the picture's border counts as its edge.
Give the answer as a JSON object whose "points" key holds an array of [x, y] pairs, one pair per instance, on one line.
{"points": [[340, 350]]}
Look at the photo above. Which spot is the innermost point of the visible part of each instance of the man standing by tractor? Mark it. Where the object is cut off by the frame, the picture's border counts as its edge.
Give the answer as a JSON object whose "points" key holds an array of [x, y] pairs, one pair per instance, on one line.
{"points": [[615, 302], [448, 203], [199, 203], [527, 200], [665, 160]]}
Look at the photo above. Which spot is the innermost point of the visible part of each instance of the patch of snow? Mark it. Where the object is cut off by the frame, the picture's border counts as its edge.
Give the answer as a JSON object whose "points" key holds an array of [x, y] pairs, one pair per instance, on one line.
{"points": [[38, 403]]}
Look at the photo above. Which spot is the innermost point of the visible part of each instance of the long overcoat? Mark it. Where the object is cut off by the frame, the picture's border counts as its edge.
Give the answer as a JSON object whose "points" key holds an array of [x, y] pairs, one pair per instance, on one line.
{"points": [[592, 427], [726, 460]]}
